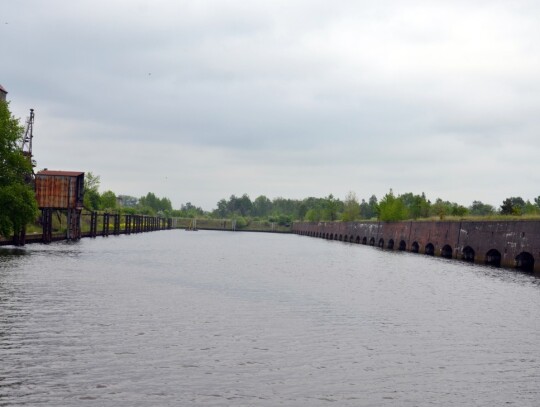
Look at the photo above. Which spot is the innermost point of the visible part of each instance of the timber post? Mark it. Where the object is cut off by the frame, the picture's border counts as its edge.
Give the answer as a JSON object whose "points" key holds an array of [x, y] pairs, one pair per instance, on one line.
{"points": [[93, 224], [105, 231], [116, 224], [46, 222]]}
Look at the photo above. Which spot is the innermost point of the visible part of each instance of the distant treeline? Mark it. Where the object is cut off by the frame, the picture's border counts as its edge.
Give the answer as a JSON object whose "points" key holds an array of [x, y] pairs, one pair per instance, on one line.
{"points": [[389, 208], [283, 211]]}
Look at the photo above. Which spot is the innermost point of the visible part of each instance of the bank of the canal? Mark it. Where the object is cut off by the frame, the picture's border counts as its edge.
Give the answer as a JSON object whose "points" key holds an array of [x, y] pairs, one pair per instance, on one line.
{"points": [[511, 244]]}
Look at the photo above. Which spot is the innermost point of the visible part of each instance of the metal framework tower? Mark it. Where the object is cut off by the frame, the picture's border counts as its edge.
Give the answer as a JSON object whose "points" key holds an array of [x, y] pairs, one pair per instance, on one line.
{"points": [[26, 146]]}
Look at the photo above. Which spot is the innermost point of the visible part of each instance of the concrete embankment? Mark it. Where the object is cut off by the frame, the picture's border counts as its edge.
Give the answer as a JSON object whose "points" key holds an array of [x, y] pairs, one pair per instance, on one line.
{"points": [[512, 244]]}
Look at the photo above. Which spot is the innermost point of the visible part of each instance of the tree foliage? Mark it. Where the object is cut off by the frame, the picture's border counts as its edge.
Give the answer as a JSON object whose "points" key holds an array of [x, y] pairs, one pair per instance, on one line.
{"points": [[478, 208], [91, 199], [108, 201], [351, 208], [17, 199], [151, 204], [513, 206], [369, 210], [392, 208], [188, 210]]}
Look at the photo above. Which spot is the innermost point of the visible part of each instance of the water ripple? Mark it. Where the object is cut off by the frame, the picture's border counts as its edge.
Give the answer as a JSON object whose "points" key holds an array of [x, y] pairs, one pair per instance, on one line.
{"points": [[216, 318]]}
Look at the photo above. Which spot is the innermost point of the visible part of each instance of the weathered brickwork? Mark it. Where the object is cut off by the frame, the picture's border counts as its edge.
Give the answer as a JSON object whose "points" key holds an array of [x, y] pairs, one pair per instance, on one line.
{"points": [[512, 244]]}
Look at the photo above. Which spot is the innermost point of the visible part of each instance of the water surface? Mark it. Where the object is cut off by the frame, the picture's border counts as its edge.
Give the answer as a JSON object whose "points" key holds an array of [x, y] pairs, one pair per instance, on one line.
{"points": [[249, 319]]}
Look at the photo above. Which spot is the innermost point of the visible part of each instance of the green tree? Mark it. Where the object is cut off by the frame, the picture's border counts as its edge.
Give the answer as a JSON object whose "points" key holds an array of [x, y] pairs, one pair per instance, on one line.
{"points": [[513, 206], [439, 208], [478, 208], [458, 210], [190, 211], [244, 205], [221, 210], [262, 206], [313, 215], [108, 201], [392, 208], [351, 208], [417, 205], [17, 198], [530, 208], [369, 209], [92, 198], [151, 204], [330, 208]]}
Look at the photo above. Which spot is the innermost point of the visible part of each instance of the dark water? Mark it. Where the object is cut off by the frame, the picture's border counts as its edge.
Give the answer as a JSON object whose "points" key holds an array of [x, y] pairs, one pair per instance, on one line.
{"points": [[244, 319]]}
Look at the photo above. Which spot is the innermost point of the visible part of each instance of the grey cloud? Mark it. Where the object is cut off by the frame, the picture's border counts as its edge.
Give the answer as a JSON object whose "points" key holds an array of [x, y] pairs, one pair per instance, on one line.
{"points": [[336, 94]]}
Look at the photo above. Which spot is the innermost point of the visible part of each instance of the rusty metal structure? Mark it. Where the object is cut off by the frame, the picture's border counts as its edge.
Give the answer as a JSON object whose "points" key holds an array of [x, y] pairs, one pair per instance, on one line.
{"points": [[26, 146], [60, 190]]}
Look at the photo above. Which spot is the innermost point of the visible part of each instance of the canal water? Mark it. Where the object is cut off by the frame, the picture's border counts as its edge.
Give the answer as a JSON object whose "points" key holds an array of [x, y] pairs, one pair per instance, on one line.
{"points": [[247, 319]]}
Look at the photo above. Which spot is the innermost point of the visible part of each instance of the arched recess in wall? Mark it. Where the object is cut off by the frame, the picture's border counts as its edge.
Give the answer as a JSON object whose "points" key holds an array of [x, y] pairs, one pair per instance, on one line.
{"points": [[357, 241], [336, 237], [402, 245], [525, 262], [493, 258], [429, 249], [372, 241], [390, 244], [381, 243], [415, 247], [364, 240], [446, 251], [340, 238], [467, 254], [331, 236]]}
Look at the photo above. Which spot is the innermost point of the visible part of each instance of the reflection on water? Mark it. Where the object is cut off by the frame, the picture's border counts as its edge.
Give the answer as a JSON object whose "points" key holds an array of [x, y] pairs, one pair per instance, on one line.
{"points": [[242, 319], [8, 251]]}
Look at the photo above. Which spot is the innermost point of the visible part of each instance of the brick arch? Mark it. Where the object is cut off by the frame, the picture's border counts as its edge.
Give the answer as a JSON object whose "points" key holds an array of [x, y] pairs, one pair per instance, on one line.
{"points": [[525, 261], [467, 254], [446, 251], [493, 258]]}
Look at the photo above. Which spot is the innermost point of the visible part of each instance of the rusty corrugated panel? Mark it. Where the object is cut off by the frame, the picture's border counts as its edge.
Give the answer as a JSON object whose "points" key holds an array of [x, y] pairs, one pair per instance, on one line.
{"points": [[54, 191]]}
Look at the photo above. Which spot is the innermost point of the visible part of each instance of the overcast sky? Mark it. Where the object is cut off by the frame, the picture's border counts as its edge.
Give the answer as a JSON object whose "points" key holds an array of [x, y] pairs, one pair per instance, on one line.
{"points": [[198, 100]]}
